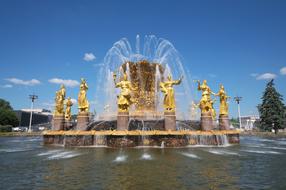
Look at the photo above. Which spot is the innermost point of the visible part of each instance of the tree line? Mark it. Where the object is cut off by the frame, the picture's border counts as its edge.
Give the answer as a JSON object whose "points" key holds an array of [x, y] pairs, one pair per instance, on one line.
{"points": [[8, 118]]}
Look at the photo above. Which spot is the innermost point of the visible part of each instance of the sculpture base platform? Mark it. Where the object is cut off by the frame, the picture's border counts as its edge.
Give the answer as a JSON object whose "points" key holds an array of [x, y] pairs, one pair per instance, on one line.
{"points": [[170, 121], [58, 122], [224, 122], [122, 121], [120, 139], [68, 125], [207, 123], [82, 121]]}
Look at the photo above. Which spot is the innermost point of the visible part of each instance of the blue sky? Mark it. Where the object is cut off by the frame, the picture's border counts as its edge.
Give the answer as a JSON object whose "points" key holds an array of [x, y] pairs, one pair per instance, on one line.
{"points": [[230, 42]]}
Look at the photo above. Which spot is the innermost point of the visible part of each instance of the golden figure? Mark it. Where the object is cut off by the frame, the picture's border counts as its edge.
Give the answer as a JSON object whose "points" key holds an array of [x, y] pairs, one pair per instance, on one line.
{"points": [[124, 100], [68, 109], [83, 104], [223, 108], [167, 88], [59, 100], [206, 103]]}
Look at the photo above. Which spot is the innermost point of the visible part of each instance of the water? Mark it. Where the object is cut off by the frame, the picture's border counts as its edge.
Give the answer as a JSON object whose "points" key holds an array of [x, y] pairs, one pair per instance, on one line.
{"points": [[152, 49], [257, 163]]}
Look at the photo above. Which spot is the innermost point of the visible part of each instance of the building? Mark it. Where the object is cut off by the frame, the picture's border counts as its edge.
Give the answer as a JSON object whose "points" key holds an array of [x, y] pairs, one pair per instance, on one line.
{"points": [[40, 116], [249, 122]]}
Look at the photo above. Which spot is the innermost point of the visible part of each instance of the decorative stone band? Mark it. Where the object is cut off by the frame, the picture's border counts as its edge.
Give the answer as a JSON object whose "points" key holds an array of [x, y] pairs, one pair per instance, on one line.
{"points": [[139, 132], [134, 138]]}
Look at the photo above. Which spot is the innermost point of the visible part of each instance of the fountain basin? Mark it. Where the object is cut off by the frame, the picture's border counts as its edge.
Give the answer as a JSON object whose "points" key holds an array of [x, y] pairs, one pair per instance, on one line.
{"points": [[140, 138]]}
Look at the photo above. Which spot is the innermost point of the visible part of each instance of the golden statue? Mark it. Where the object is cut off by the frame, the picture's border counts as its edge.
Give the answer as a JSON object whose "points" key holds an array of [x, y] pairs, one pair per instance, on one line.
{"points": [[68, 109], [124, 100], [59, 100], [223, 108], [83, 104], [206, 103], [167, 88]]}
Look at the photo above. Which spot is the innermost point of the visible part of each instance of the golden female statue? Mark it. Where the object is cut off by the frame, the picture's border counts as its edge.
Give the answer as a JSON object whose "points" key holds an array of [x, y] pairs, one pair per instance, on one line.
{"points": [[59, 100], [124, 100], [223, 101], [167, 88], [68, 109], [206, 103], [83, 104]]}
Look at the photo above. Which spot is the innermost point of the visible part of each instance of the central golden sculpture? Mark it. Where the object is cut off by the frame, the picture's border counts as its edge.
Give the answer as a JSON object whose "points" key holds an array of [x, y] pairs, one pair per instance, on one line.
{"points": [[143, 78], [169, 98], [83, 104]]}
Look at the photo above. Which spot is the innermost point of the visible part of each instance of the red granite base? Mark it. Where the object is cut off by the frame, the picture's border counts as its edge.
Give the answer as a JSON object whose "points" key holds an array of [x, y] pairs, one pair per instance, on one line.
{"points": [[120, 141]]}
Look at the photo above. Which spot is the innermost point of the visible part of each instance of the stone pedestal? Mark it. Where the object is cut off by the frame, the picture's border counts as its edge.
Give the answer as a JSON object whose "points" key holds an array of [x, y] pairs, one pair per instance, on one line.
{"points": [[170, 121], [122, 121], [207, 121], [68, 125], [82, 121], [58, 122], [223, 122]]}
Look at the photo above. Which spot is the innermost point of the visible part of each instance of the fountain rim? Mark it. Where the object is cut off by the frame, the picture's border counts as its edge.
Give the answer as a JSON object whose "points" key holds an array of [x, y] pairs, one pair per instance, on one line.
{"points": [[141, 133]]}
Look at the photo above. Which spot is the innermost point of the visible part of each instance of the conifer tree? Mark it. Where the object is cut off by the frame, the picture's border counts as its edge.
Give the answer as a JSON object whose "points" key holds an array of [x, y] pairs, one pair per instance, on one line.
{"points": [[272, 110]]}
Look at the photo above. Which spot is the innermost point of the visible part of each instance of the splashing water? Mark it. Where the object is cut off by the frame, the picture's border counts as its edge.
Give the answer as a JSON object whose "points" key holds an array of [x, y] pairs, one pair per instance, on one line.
{"points": [[120, 158], [146, 156], [190, 155], [153, 50]]}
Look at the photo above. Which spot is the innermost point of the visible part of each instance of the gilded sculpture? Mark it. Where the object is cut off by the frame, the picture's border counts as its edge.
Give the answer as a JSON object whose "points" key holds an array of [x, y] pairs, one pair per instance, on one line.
{"points": [[169, 93], [83, 104], [59, 101], [223, 108], [206, 103], [124, 99], [68, 109]]}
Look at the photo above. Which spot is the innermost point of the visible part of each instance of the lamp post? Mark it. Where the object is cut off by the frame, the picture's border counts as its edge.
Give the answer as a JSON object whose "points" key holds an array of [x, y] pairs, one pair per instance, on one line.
{"points": [[238, 99], [33, 98]]}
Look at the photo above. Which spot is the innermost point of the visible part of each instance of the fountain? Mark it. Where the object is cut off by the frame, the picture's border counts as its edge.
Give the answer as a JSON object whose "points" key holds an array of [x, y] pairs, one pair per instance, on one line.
{"points": [[139, 107]]}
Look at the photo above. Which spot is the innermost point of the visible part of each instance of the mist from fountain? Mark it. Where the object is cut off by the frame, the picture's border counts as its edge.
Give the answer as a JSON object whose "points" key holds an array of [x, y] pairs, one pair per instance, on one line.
{"points": [[153, 50]]}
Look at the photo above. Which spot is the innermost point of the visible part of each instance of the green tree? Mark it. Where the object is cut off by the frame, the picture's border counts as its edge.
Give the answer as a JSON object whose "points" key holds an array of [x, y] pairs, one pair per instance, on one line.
{"points": [[5, 105], [7, 115], [272, 110]]}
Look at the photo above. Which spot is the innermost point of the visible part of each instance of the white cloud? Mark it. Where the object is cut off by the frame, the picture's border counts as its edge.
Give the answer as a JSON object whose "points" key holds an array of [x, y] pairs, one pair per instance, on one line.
{"points": [[74, 101], [7, 86], [23, 82], [89, 57], [283, 71], [266, 76], [66, 82], [254, 74]]}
